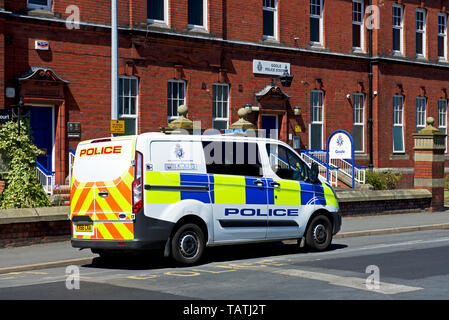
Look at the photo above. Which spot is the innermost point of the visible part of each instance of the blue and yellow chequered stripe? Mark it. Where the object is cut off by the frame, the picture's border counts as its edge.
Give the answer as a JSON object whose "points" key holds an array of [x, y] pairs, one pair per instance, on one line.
{"points": [[225, 189]]}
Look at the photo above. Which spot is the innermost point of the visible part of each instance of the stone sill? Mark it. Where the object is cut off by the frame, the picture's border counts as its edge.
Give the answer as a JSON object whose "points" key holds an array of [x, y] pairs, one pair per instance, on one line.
{"points": [[9, 216], [399, 156], [382, 195]]}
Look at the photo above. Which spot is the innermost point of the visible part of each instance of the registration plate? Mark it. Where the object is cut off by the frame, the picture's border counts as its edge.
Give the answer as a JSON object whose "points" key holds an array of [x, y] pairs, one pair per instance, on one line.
{"points": [[83, 227]]}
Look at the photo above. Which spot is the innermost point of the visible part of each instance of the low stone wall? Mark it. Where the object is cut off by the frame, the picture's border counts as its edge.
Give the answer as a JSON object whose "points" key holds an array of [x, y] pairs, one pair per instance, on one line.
{"points": [[372, 202], [20, 227]]}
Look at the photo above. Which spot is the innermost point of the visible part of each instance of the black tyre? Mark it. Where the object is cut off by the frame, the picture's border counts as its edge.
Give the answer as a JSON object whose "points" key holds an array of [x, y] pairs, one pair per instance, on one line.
{"points": [[187, 244], [319, 233]]}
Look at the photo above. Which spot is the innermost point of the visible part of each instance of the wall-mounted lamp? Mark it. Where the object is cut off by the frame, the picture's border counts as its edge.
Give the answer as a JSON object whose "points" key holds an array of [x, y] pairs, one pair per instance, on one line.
{"points": [[375, 93], [348, 96], [286, 78], [297, 111]]}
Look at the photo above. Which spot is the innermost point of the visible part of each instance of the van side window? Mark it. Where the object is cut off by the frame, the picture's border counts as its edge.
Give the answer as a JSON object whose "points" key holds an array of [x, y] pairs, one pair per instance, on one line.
{"points": [[236, 158], [285, 163]]}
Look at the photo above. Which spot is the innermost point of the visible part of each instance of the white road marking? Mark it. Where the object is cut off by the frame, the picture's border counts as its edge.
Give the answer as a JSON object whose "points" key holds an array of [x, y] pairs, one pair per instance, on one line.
{"points": [[350, 282]]}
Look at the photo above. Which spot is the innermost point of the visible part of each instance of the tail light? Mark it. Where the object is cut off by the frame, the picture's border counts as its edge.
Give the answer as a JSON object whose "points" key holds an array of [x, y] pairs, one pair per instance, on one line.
{"points": [[137, 186]]}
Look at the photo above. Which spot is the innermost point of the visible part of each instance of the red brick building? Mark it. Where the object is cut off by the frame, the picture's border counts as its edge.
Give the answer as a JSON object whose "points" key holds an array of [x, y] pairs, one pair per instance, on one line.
{"points": [[212, 55]]}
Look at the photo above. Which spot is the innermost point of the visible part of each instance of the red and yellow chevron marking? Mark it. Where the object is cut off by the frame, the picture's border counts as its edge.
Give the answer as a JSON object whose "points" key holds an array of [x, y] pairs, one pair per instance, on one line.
{"points": [[84, 200]]}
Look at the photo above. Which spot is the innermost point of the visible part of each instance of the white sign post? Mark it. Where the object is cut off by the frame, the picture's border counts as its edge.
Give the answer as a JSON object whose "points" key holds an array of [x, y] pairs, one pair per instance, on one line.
{"points": [[340, 146]]}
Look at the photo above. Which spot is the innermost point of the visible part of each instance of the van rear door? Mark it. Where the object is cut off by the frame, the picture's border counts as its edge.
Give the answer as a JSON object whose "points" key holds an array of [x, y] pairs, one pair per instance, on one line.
{"points": [[100, 200]]}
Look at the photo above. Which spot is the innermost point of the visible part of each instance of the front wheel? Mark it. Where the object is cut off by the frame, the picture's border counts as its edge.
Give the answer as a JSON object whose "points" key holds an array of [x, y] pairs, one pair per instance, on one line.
{"points": [[319, 233], [187, 245]]}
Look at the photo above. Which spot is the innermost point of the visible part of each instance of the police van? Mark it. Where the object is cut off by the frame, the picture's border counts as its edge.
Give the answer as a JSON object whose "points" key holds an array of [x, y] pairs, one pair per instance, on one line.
{"points": [[182, 193]]}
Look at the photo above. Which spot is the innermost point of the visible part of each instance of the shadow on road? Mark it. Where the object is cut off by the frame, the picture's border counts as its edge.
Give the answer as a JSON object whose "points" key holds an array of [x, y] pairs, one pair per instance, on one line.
{"points": [[155, 260]]}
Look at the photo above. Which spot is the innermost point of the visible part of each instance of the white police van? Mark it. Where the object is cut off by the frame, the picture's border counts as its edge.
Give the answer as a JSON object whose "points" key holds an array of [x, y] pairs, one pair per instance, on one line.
{"points": [[182, 193]]}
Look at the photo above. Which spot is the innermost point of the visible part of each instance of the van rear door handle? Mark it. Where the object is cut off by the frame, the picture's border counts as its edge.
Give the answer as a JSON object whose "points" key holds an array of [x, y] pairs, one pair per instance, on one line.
{"points": [[259, 183], [103, 194]]}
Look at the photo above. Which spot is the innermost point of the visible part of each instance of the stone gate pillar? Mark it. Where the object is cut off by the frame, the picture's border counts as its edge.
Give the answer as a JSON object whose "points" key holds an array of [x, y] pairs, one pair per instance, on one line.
{"points": [[429, 163]]}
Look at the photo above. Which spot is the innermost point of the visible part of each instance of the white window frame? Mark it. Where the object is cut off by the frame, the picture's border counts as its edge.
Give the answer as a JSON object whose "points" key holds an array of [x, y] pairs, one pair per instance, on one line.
{"points": [[161, 22], [320, 17], [121, 94], [421, 111], [275, 19], [422, 31], [442, 34], [399, 27], [358, 118], [205, 15], [48, 7], [442, 119], [214, 101], [172, 117], [398, 120], [359, 23], [320, 109]]}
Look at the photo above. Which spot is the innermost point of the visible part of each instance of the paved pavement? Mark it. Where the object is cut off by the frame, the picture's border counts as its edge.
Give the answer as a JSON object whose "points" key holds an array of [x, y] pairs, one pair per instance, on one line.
{"points": [[62, 254]]}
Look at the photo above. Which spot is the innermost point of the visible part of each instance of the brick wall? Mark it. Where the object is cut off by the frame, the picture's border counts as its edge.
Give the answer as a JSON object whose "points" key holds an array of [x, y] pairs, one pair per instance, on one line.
{"points": [[22, 234], [384, 207]]}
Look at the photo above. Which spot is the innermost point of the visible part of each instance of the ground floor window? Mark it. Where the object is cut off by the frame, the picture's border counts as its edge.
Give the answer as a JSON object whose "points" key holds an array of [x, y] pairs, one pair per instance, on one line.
{"points": [[420, 113], [176, 93], [358, 128], [316, 121], [398, 123], [442, 119], [220, 106], [128, 103]]}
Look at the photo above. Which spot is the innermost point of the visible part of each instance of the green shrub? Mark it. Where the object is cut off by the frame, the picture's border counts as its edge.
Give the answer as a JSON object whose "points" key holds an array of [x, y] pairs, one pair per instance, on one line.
{"points": [[22, 189], [382, 181]]}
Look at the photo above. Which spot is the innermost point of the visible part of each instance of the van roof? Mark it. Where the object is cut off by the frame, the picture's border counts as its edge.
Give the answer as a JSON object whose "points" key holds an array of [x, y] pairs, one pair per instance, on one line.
{"points": [[215, 137]]}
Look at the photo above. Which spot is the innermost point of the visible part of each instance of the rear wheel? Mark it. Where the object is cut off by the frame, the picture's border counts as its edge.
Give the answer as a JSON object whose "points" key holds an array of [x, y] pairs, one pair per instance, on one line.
{"points": [[187, 245], [319, 233]]}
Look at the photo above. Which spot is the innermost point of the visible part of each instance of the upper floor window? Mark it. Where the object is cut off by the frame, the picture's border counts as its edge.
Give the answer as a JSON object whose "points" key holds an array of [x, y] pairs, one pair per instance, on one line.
{"points": [[128, 103], [197, 14], [420, 32], [357, 24], [176, 93], [157, 11], [442, 32], [39, 4], [270, 19], [397, 28], [316, 22], [220, 105]]}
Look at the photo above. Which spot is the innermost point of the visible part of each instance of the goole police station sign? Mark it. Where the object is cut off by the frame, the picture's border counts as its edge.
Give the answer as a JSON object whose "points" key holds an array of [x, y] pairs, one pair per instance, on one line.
{"points": [[270, 67], [340, 146]]}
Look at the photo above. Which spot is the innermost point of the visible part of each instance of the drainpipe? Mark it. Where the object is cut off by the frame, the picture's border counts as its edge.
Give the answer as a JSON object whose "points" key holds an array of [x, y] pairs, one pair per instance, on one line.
{"points": [[114, 61], [370, 95]]}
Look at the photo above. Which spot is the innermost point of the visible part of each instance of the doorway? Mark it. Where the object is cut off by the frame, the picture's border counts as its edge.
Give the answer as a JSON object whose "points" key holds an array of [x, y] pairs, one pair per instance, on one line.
{"points": [[42, 126], [270, 125]]}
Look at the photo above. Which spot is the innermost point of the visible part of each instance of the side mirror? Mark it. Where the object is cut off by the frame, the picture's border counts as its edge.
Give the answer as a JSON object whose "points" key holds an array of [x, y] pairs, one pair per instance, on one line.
{"points": [[314, 173]]}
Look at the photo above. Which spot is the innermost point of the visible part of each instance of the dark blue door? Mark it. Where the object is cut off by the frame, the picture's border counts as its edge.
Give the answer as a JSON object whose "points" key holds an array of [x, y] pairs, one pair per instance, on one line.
{"points": [[269, 123], [41, 124]]}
